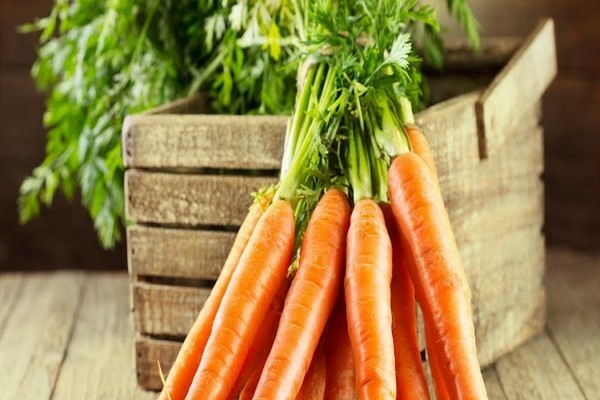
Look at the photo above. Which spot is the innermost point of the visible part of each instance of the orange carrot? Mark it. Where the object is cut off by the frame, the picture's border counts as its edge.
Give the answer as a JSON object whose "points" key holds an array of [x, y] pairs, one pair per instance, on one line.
{"points": [[410, 377], [367, 291], [313, 386], [255, 282], [437, 274], [257, 355], [434, 366], [420, 147], [339, 361], [248, 391], [182, 372], [310, 300]]}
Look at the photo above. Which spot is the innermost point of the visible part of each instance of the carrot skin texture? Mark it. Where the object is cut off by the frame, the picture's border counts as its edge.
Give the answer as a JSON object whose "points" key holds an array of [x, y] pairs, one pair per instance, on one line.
{"points": [[434, 366], [250, 387], [367, 293], [437, 273], [410, 376], [339, 360], [257, 355], [421, 147], [310, 299], [260, 273], [182, 372], [313, 386]]}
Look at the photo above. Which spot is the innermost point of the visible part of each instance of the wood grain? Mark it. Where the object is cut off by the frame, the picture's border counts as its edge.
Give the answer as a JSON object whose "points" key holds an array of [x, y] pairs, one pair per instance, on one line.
{"points": [[492, 384], [37, 334], [10, 291], [177, 253], [164, 198], [527, 75], [574, 312], [537, 371], [204, 141], [99, 363], [166, 310]]}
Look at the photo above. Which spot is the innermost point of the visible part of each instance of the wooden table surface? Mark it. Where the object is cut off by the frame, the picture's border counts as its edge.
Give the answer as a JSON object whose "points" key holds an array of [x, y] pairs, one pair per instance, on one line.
{"points": [[68, 335]]}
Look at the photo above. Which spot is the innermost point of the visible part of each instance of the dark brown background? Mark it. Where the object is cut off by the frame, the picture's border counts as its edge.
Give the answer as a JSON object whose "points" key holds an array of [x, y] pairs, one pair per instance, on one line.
{"points": [[64, 238]]}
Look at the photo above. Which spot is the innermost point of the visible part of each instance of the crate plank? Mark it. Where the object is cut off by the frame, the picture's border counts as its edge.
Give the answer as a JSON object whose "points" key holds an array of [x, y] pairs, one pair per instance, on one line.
{"points": [[178, 253], [166, 310], [34, 345], [204, 141], [574, 315], [148, 354], [166, 198], [527, 75], [537, 371], [10, 292], [99, 362], [188, 199], [492, 384]]}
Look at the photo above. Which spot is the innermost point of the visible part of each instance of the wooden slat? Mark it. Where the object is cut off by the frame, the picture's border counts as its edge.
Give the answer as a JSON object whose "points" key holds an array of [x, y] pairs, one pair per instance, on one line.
{"points": [[10, 291], [166, 310], [204, 141], [492, 384], [171, 310], [99, 363], [574, 315], [452, 121], [198, 254], [517, 88], [180, 253], [34, 343], [149, 352], [537, 371], [190, 199]]}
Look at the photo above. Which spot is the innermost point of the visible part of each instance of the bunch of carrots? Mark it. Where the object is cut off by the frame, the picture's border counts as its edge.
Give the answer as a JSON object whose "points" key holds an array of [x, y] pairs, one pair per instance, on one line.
{"points": [[317, 299]]}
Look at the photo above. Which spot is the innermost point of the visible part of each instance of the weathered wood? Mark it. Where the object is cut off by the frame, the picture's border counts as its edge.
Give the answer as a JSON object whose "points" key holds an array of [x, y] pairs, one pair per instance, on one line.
{"points": [[148, 354], [537, 371], [190, 199], [10, 291], [99, 363], [492, 384], [204, 141], [178, 253], [37, 333], [171, 310], [574, 315], [516, 88], [166, 310], [494, 52]]}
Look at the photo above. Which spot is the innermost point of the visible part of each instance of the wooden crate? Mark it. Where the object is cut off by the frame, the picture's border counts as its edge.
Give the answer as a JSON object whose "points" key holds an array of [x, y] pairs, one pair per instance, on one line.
{"points": [[190, 176]]}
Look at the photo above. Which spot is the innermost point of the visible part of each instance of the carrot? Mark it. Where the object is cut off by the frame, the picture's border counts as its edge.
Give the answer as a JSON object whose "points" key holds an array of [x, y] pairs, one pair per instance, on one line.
{"points": [[410, 377], [421, 147], [339, 361], [257, 355], [367, 292], [310, 300], [437, 274], [434, 366], [260, 273], [313, 386], [182, 372], [248, 391]]}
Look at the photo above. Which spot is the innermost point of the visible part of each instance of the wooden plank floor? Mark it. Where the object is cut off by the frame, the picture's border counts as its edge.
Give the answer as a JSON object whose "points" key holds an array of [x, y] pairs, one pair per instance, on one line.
{"points": [[68, 335]]}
